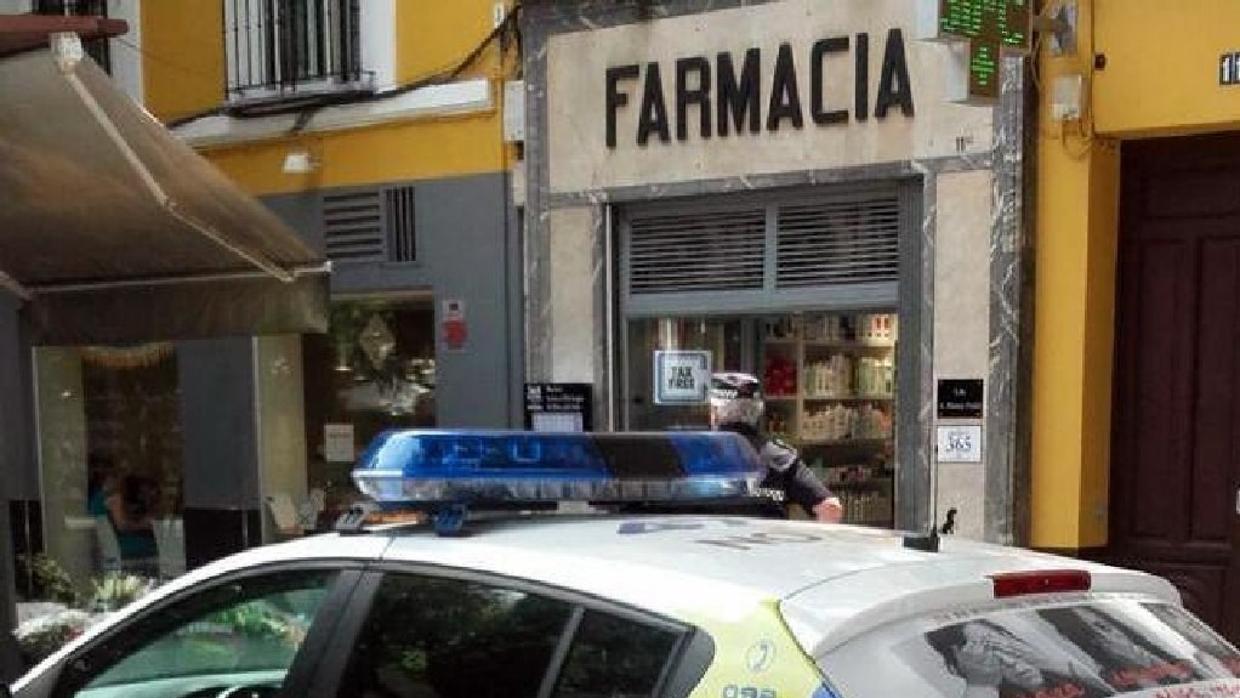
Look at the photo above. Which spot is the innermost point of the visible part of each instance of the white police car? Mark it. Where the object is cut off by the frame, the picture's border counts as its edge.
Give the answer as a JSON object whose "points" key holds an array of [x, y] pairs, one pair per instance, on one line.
{"points": [[606, 606]]}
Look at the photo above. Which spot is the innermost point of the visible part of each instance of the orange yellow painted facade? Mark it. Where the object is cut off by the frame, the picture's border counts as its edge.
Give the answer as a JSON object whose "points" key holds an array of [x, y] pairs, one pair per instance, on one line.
{"points": [[184, 65], [1150, 68]]}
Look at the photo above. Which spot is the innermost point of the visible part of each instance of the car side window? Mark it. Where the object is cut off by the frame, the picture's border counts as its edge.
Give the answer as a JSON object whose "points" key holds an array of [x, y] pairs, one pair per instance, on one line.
{"points": [[428, 637], [242, 633], [613, 657]]}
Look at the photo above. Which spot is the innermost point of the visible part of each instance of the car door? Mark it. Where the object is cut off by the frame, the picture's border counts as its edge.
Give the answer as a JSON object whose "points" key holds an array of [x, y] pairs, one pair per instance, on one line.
{"points": [[255, 634], [443, 634]]}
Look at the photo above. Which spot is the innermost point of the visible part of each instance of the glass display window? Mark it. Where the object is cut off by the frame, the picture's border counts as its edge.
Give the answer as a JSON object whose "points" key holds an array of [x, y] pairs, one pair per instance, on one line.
{"points": [[110, 440], [829, 383], [374, 370]]}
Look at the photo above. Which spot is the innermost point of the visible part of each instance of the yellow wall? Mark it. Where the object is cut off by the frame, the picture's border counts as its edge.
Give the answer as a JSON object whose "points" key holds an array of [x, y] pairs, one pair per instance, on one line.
{"points": [[1077, 214], [1162, 66], [184, 74], [183, 61], [1160, 78], [402, 151], [433, 36]]}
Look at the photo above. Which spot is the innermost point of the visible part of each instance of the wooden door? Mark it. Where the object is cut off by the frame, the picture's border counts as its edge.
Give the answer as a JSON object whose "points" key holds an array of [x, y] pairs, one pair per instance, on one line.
{"points": [[1175, 470]]}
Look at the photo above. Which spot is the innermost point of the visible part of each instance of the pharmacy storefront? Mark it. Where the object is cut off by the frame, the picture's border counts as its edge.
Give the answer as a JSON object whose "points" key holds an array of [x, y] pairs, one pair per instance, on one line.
{"points": [[783, 189]]}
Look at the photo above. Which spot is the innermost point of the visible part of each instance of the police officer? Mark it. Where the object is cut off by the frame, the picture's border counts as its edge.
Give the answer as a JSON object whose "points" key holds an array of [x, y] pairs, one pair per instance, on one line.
{"points": [[736, 405]]}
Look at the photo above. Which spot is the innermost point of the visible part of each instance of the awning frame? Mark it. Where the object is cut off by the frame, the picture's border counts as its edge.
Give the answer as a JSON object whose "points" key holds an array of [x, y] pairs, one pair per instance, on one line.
{"points": [[68, 52], [233, 268]]}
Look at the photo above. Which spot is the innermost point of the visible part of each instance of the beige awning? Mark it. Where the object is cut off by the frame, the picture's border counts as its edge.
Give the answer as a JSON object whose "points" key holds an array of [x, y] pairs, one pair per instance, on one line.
{"points": [[113, 231]]}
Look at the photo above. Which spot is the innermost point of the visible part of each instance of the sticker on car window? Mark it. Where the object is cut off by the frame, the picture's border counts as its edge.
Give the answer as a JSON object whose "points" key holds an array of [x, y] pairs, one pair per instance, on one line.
{"points": [[1085, 650]]}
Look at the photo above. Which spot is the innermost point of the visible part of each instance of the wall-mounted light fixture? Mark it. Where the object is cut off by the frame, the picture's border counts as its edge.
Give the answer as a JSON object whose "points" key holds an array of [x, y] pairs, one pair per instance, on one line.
{"points": [[299, 162]]}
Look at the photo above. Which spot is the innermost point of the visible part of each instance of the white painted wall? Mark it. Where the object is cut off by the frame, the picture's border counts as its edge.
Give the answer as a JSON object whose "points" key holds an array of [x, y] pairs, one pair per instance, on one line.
{"points": [[280, 408], [14, 7], [379, 41], [126, 50], [962, 324], [572, 294]]}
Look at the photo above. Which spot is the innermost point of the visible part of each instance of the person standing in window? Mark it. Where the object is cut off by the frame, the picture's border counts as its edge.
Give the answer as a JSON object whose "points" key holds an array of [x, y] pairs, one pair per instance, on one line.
{"points": [[736, 405], [127, 503]]}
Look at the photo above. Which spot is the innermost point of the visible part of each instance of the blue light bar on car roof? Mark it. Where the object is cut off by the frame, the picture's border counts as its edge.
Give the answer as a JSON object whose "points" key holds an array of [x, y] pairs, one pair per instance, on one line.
{"points": [[510, 467]]}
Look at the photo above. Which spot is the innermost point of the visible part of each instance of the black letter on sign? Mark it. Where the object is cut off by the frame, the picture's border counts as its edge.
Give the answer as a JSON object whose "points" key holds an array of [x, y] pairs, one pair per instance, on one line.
{"points": [[686, 95], [616, 98], [822, 117], [785, 99], [654, 109], [737, 100], [895, 69], [863, 77]]}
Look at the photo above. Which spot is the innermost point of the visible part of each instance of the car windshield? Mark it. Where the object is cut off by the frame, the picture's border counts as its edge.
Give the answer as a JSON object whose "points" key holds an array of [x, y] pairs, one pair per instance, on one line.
{"points": [[1086, 649]]}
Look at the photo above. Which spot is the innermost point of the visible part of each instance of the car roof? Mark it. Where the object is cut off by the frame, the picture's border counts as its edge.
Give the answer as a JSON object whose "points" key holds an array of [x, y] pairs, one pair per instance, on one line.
{"points": [[831, 582]]}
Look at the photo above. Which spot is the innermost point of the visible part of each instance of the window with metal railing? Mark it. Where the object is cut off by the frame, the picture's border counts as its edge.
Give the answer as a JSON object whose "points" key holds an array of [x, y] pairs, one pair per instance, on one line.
{"points": [[279, 47], [98, 49]]}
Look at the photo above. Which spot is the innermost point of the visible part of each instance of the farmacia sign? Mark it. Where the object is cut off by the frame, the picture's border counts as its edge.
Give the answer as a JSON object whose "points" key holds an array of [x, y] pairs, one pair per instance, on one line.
{"points": [[726, 94]]}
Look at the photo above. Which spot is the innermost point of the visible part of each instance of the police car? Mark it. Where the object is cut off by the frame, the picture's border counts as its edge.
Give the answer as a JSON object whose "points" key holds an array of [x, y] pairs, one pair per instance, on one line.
{"points": [[532, 604]]}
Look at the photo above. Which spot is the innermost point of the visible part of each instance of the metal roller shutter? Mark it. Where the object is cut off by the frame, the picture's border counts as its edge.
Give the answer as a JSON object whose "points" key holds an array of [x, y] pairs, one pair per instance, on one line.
{"points": [[771, 254], [717, 251]]}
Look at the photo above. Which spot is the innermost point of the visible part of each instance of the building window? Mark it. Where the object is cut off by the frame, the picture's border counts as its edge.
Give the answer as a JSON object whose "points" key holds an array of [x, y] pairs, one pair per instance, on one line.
{"points": [[278, 47], [97, 49]]}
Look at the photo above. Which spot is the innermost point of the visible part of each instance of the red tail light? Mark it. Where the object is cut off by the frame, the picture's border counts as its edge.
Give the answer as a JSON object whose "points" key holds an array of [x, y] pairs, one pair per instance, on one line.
{"points": [[1011, 584]]}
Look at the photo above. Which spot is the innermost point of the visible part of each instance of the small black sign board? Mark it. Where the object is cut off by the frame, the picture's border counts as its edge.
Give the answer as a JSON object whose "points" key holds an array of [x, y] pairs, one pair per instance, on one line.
{"points": [[559, 406], [960, 398]]}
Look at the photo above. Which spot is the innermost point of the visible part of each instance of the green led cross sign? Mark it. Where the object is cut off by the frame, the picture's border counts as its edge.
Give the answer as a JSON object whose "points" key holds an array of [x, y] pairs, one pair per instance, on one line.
{"points": [[990, 26]]}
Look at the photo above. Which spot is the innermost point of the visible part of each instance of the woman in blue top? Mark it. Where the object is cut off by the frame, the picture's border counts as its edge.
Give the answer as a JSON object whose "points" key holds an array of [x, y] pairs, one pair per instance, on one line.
{"points": [[125, 503]]}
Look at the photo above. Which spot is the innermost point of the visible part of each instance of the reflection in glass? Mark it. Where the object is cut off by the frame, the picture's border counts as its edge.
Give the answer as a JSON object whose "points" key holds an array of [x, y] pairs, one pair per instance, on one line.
{"points": [[374, 370], [110, 456], [441, 638]]}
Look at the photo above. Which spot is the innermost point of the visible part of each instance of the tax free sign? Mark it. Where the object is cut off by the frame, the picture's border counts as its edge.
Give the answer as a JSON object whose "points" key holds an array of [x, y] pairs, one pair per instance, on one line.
{"points": [[681, 377], [779, 86]]}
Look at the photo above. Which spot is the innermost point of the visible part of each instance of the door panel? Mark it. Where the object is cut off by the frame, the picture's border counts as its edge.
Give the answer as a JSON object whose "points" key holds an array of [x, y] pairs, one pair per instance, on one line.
{"points": [[1154, 514], [1176, 454], [1215, 409]]}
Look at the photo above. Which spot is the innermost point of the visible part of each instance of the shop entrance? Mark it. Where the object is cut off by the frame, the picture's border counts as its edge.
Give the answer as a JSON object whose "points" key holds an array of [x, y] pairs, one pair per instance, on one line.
{"points": [[1175, 472], [799, 288]]}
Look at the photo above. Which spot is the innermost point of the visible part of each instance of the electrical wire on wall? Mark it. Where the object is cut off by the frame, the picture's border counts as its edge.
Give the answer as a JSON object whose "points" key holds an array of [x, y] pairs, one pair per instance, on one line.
{"points": [[1077, 137]]}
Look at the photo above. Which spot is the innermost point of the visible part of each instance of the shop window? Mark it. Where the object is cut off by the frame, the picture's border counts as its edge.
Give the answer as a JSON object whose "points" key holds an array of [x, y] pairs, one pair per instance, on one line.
{"points": [[111, 460], [374, 370], [829, 382]]}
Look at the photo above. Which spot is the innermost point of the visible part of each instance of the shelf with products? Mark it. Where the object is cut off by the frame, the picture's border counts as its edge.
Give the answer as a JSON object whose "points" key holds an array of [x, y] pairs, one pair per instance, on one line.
{"points": [[848, 398], [830, 377], [861, 443], [859, 347], [867, 508], [830, 392]]}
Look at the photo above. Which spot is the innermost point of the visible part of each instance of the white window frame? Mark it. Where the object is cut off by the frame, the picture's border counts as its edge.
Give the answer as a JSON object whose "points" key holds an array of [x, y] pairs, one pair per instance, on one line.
{"points": [[377, 37]]}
